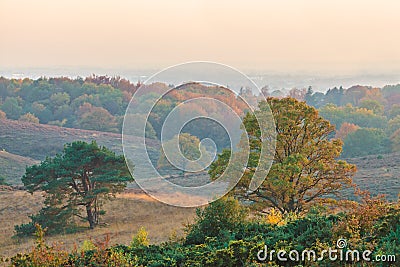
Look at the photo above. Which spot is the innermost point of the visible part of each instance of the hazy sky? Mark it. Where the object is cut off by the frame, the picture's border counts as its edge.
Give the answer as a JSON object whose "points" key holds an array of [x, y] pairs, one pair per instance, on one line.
{"points": [[305, 35]]}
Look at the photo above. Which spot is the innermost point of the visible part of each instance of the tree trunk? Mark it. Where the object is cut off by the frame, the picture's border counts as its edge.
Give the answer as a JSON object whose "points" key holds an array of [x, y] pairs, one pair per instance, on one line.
{"points": [[89, 206], [291, 205], [90, 216]]}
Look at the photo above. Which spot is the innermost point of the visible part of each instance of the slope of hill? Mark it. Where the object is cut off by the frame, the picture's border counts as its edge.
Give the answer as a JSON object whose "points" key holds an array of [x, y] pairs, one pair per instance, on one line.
{"points": [[37, 141], [12, 167], [379, 174]]}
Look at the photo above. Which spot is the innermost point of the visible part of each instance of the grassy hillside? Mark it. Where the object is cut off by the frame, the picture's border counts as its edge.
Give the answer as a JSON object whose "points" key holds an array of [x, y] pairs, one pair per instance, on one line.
{"points": [[12, 166], [37, 141], [379, 174]]}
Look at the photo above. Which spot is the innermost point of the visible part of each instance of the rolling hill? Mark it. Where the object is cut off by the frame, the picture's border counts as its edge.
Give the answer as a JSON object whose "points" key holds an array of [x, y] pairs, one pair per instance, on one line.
{"points": [[27, 143], [39, 140]]}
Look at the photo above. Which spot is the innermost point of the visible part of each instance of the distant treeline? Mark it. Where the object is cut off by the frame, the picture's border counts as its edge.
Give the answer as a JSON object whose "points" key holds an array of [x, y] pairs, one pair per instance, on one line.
{"points": [[94, 103], [367, 119]]}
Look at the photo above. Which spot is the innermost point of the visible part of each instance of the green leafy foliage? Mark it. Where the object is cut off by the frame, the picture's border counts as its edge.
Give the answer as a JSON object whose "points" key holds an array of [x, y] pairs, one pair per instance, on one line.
{"points": [[12, 106], [191, 150], [87, 245], [350, 114], [394, 125], [363, 106], [366, 141], [218, 220], [373, 105]]}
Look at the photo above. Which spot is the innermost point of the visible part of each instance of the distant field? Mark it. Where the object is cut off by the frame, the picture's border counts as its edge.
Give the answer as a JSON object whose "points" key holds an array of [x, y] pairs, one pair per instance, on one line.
{"points": [[125, 215]]}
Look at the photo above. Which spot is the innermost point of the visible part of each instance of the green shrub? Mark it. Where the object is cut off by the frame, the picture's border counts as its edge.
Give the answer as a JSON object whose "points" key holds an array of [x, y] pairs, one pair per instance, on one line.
{"points": [[58, 224], [2, 180], [87, 245], [219, 219]]}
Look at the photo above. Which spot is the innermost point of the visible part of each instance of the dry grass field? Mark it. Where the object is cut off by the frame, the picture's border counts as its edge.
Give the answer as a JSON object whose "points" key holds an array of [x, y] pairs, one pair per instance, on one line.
{"points": [[125, 215]]}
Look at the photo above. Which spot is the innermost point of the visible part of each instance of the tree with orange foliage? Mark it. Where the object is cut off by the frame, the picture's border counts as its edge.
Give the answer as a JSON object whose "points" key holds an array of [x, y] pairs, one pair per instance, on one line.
{"points": [[29, 117], [346, 129], [298, 94], [2, 115], [360, 221]]}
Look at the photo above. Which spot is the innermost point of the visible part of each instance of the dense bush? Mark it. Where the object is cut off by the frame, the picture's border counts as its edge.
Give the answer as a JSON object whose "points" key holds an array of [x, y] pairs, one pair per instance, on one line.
{"points": [[220, 220], [2, 180]]}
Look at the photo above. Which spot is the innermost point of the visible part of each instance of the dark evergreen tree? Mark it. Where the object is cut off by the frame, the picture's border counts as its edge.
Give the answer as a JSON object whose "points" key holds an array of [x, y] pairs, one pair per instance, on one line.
{"points": [[81, 177]]}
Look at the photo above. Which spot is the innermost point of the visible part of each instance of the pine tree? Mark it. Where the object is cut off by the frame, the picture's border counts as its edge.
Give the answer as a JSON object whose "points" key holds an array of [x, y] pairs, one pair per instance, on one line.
{"points": [[82, 176]]}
